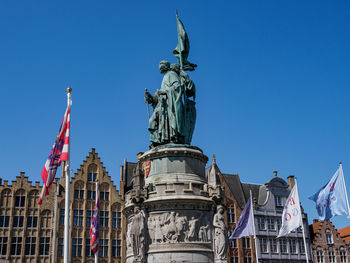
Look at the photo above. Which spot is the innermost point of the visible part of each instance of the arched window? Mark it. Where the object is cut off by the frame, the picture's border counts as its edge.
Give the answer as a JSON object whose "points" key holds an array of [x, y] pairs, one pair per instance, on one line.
{"points": [[104, 192], [92, 173], [6, 198], [20, 198], [33, 198], [342, 252], [331, 255], [45, 219], [329, 237], [319, 255], [79, 190]]}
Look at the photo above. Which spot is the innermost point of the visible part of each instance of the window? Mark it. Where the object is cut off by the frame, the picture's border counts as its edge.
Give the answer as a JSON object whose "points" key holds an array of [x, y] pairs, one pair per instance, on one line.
{"points": [[342, 253], [116, 247], [283, 246], [44, 246], [78, 193], [234, 259], [92, 177], [116, 219], [261, 223], [33, 198], [271, 224], [4, 221], [16, 245], [20, 198], [76, 247], [45, 219], [6, 198], [329, 237], [273, 245], [279, 223], [103, 218], [319, 255], [32, 221], [331, 255], [247, 259], [91, 194], [301, 247], [278, 201], [263, 245], [3, 245], [103, 248], [62, 216], [233, 243], [104, 195], [88, 251], [293, 246], [245, 242], [89, 215], [18, 221], [230, 215], [60, 247], [30, 246], [77, 217]]}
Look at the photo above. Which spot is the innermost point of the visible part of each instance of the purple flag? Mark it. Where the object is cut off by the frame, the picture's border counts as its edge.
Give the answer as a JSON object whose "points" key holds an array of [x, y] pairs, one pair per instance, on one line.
{"points": [[245, 225]]}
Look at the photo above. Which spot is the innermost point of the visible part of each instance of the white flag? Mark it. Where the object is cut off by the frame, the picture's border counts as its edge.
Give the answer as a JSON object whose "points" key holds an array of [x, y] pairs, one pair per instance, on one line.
{"points": [[291, 217]]}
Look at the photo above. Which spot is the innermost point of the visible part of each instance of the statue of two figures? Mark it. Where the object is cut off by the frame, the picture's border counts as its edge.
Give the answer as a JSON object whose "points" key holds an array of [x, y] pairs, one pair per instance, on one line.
{"points": [[174, 113]]}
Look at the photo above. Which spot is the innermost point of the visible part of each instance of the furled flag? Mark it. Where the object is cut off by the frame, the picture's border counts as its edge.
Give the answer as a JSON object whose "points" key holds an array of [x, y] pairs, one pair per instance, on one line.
{"points": [[94, 225], [59, 153], [331, 199], [245, 225], [291, 216]]}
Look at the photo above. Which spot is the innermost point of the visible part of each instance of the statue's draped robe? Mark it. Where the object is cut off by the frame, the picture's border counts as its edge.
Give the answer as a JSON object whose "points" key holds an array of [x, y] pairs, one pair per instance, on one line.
{"points": [[168, 122]]}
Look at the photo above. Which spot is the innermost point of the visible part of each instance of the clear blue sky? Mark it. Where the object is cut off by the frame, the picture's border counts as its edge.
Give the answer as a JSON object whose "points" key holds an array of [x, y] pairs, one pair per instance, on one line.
{"points": [[272, 82]]}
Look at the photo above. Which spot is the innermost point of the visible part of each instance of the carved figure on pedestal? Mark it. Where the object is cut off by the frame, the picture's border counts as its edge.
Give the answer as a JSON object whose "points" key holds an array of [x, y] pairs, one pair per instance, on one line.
{"points": [[191, 233], [128, 236], [202, 234], [158, 234], [138, 235], [220, 232], [151, 228]]}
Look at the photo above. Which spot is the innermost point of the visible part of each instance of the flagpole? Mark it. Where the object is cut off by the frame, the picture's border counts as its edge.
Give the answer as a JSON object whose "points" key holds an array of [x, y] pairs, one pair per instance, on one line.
{"points": [[97, 192], [302, 225], [256, 245], [67, 195], [346, 194], [53, 251]]}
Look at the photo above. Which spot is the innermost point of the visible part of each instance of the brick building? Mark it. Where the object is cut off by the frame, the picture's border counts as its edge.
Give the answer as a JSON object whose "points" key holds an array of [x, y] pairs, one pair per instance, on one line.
{"points": [[26, 230], [345, 234], [327, 246]]}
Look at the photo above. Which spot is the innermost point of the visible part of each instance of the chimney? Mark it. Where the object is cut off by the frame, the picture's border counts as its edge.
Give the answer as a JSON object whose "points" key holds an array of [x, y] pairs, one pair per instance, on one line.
{"points": [[139, 155], [291, 181], [22, 174]]}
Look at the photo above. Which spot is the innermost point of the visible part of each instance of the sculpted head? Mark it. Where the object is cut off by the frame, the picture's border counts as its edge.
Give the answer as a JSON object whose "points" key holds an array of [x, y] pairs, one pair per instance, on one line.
{"points": [[175, 67], [164, 66]]}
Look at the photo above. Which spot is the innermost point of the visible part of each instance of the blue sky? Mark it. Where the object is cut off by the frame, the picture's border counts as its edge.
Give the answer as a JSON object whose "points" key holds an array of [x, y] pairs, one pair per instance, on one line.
{"points": [[272, 83]]}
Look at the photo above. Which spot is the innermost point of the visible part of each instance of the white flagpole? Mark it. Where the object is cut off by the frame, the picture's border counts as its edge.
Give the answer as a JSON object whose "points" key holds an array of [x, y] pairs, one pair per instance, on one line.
{"points": [[97, 193], [256, 245], [67, 195], [302, 225], [346, 194], [53, 251]]}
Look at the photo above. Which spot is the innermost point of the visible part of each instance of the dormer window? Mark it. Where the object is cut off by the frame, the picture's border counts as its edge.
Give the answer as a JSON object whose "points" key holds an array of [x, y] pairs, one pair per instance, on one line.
{"points": [[278, 201]]}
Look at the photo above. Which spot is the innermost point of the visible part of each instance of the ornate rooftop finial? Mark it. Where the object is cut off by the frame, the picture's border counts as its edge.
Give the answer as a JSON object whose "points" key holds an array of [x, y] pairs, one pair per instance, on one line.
{"points": [[69, 89], [214, 159], [275, 172]]}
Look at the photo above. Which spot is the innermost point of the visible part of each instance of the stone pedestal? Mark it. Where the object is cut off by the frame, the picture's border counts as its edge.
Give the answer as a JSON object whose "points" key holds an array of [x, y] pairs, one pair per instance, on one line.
{"points": [[176, 206]]}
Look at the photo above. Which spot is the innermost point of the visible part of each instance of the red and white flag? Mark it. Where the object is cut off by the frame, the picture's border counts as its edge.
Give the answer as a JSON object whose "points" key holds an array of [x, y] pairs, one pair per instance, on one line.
{"points": [[291, 217], [59, 153], [94, 225]]}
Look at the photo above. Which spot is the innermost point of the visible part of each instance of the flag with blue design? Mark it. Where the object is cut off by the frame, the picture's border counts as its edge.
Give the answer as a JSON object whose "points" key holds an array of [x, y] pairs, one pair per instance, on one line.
{"points": [[245, 225], [94, 225], [331, 199]]}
